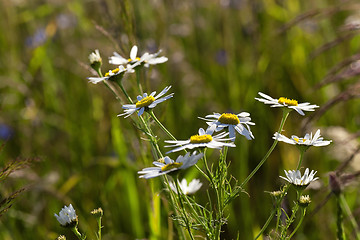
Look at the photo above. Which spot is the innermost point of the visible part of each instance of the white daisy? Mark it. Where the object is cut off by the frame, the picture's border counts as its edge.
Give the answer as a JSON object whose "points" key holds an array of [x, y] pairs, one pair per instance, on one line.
{"points": [[202, 140], [218, 122], [117, 72], [192, 188], [308, 140], [95, 57], [285, 102], [166, 165], [146, 102], [67, 216], [146, 58], [294, 177]]}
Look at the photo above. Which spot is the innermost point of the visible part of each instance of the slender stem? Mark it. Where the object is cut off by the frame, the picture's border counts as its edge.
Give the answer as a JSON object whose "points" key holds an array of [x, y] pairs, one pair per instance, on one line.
{"points": [[289, 221], [266, 224], [339, 220], [138, 80], [77, 233], [350, 215], [160, 125], [119, 82], [300, 159], [179, 192], [285, 115], [218, 212], [174, 204], [300, 222], [99, 230]]}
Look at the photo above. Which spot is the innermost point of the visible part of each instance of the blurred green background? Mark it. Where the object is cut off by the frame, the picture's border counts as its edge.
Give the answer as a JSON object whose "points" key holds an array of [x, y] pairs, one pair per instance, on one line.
{"points": [[221, 54]]}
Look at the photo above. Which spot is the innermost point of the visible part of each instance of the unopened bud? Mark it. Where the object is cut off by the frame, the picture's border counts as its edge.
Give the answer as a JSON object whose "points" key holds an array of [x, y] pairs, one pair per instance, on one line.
{"points": [[334, 183], [304, 201]]}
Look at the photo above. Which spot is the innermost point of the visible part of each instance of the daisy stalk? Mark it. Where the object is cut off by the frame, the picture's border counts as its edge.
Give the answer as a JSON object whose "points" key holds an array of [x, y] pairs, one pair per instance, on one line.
{"points": [[151, 113], [284, 117], [186, 220]]}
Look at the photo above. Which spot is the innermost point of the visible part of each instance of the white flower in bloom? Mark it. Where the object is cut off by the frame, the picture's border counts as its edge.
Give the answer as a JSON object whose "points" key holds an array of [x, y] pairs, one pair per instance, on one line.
{"points": [[94, 57], [285, 102], [294, 177], [117, 72], [145, 102], [192, 188], [67, 216], [308, 140], [146, 58], [218, 122], [166, 165], [202, 140]]}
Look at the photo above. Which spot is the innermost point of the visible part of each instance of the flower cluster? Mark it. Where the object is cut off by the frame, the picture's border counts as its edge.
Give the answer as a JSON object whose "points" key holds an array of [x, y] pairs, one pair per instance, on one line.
{"points": [[124, 65]]}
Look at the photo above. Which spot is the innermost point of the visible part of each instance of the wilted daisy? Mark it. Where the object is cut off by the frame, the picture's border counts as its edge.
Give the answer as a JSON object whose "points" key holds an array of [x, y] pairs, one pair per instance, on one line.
{"points": [[308, 140], [112, 74], [218, 122], [145, 102], [67, 216], [202, 140], [192, 188], [285, 102], [294, 177], [166, 165], [146, 58]]}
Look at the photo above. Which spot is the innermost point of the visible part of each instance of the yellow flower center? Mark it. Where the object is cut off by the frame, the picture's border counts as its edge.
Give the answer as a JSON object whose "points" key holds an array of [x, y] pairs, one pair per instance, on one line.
{"points": [[170, 166], [136, 59], [161, 160], [290, 102], [200, 138], [146, 101], [297, 140], [116, 70], [229, 118]]}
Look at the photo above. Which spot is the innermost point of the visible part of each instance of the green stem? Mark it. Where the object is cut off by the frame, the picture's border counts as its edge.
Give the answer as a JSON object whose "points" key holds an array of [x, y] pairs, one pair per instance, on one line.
{"points": [[138, 80], [285, 115], [300, 159], [339, 220], [187, 223], [175, 206], [218, 212], [119, 82], [350, 215], [266, 224], [300, 222], [99, 230], [77, 233], [290, 221], [160, 125]]}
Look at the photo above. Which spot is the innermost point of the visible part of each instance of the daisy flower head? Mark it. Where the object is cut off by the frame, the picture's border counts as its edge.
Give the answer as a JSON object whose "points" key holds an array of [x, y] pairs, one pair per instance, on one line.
{"points": [[146, 102], [95, 59], [192, 188], [307, 141], [201, 140], [146, 58], [167, 165], [67, 217], [294, 177], [234, 122], [285, 102], [112, 75]]}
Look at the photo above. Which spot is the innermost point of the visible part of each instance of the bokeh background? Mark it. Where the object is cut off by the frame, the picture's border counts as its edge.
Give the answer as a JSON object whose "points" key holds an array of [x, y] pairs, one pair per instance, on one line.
{"points": [[221, 54]]}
